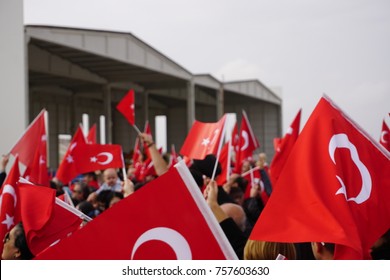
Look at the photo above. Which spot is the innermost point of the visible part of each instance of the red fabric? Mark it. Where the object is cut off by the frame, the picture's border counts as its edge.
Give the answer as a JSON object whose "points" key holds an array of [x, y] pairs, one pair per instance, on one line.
{"points": [[114, 234], [91, 157], [137, 151], [284, 148], [37, 172], [148, 131], [127, 108], [91, 137], [225, 165], [26, 145], [173, 157], [385, 136], [247, 143], [44, 221], [9, 214], [307, 203], [203, 139], [67, 169]]}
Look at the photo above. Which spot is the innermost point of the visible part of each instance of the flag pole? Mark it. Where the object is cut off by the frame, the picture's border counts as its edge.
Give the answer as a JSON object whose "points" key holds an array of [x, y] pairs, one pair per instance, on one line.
{"points": [[137, 129], [219, 148], [249, 171], [123, 168]]}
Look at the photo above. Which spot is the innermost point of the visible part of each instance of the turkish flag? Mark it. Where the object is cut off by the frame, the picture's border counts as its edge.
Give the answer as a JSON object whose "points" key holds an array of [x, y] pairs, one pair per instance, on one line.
{"points": [[284, 148], [37, 171], [247, 143], [127, 108], [148, 131], [67, 169], [165, 228], [224, 160], [91, 137], [334, 188], [9, 198], [91, 157], [385, 136], [203, 139], [25, 147], [45, 222]]}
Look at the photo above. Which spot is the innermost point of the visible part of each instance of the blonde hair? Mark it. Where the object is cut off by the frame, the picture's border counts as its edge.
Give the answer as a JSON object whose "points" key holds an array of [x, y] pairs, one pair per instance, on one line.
{"points": [[265, 250]]}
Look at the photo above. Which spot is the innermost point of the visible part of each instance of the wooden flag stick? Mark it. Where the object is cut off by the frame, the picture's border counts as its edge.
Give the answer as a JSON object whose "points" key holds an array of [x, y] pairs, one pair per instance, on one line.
{"points": [[219, 149], [137, 129]]}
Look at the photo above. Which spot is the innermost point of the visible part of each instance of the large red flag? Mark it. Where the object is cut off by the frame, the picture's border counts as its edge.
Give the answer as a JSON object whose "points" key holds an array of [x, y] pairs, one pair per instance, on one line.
{"points": [[91, 137], [37, 171], [284, 148], [127, 108], [168, 228], [25, 147], [385, 136], [9, 198], [45, 222], [335, 187], [203, 139], [247, 143], [67, 169], [91, 157]]}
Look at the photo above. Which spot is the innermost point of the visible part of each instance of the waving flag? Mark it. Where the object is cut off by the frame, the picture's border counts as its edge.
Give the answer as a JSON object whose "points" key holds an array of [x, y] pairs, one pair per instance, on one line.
{"points": [[67, 169], [338, 193], [385, 136], [91, 137], [203, 139], [247, 143], [26, 145], [45, 222], [127, 108], [284, 148], [91, 157], [9, 199], [181, 228], [37, 171]]}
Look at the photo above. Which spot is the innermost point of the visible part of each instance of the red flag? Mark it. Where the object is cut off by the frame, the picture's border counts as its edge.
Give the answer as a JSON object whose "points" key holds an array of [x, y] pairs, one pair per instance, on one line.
{"points": [[67, 169], [148, 131], [91, 157], [284, 148], [181, 228], [26, 145], [173, 157], [247, 143], [91, 137], [37, 171], [127, 108], [385, 136], [203, 139], [224, 160], [9, 198], [338, 193], [45, 222]]}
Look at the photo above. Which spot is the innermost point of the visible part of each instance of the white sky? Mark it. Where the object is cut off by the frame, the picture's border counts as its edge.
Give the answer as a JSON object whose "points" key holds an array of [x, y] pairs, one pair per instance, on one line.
{"points": [[305, 48]]}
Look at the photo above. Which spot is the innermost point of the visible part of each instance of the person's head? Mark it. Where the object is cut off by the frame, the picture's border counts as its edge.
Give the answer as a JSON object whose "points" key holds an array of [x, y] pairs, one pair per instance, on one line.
{"points": [[103, 200], [206, 168], [245, 166], [115, 198], [237, 195], [110, 176], [265, 250], [80, 191], [323, 251], [89, 177], [235, 212], [15, 245]]}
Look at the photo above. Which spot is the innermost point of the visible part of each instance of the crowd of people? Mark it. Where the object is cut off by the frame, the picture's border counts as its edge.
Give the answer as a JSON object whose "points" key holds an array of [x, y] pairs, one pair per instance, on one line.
{"points": [[236, 204]]}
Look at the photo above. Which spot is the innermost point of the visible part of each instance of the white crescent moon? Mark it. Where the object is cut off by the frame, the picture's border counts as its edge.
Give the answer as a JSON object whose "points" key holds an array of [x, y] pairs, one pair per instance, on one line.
{"points": [[8, 189], [108, 159], [383, 140], [169, 236], [342, 141], [244, 135]]}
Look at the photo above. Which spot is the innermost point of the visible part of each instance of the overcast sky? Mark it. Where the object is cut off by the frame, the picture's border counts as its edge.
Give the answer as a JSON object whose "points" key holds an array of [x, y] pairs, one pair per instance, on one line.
{"points": [[305, 48]]}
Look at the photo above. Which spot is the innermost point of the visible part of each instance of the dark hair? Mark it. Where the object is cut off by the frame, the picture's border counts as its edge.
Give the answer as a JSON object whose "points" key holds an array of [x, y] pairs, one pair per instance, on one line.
{"points": [[21, 243]]}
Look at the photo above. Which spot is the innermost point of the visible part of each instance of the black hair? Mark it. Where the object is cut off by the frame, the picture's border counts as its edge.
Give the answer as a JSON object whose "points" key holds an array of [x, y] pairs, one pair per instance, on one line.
{"points": [[21, 243]]}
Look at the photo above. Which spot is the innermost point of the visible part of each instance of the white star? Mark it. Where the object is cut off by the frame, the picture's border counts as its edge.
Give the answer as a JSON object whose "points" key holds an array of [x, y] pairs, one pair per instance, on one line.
{"points": [[290, 130], [69, 159], [9, 221], [132, 106], [93, 159], [205, 141]]}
